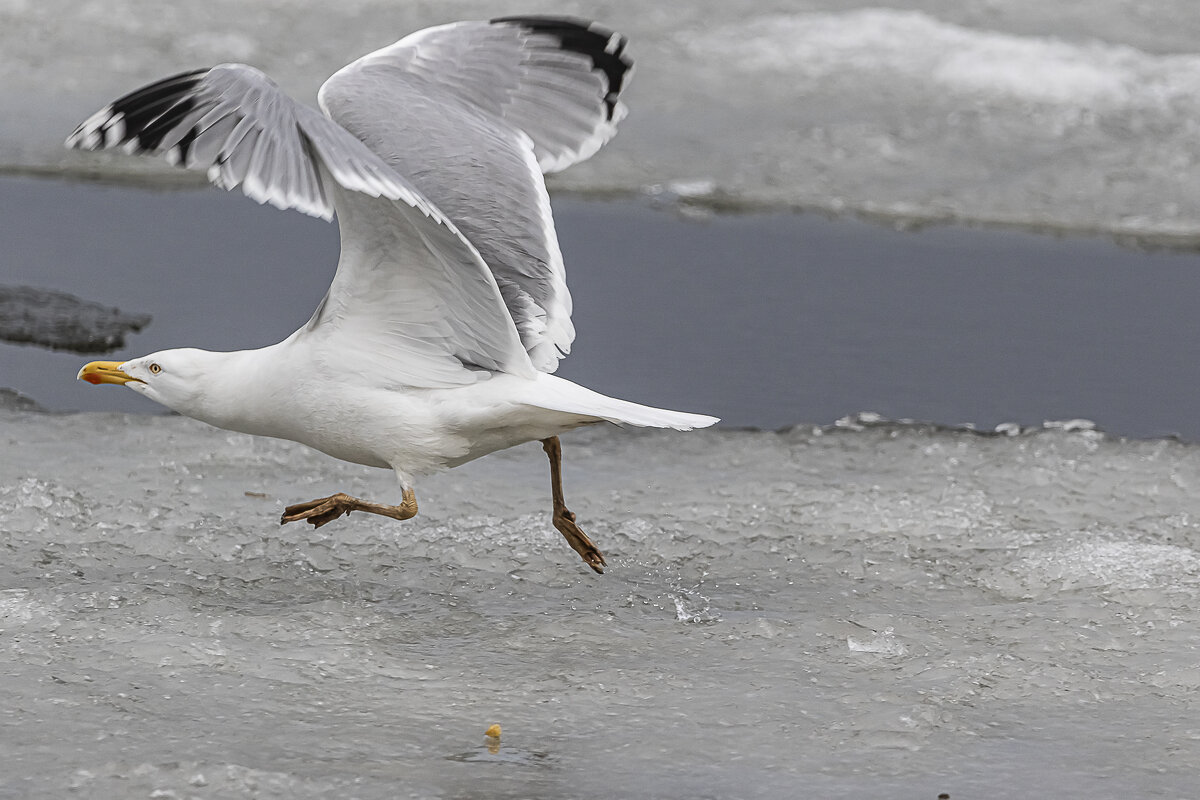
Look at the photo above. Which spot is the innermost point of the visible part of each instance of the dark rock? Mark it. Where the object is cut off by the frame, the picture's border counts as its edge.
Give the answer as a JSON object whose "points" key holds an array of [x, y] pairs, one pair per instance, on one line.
{"points": [[62, 321], [11, 400]]}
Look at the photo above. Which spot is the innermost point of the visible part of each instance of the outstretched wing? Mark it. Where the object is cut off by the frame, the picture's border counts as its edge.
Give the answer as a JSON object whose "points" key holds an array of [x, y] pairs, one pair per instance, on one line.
{"points": [[473, 113], [558, 80], [235, 124]]}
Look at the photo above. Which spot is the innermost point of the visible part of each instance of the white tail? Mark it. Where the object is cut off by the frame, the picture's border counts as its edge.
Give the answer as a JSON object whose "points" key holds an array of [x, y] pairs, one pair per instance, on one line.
{"points": [[623, 412], [558, 394]]}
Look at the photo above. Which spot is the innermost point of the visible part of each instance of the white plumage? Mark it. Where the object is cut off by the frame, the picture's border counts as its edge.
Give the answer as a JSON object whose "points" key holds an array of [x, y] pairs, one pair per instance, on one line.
{"points": [[449, 307]]}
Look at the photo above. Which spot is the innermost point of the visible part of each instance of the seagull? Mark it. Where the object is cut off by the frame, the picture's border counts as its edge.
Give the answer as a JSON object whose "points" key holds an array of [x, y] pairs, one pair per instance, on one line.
{"points": [[449, 310]]}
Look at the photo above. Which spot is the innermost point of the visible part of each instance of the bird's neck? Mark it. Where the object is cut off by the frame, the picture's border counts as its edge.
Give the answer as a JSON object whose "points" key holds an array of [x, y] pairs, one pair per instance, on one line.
{"points": [[239, 391]]}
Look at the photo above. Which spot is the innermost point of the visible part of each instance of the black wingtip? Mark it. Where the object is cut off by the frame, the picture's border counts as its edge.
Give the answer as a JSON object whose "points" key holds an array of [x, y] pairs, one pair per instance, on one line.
{"points": [[150, 112], [141, 119], [605, 48]]}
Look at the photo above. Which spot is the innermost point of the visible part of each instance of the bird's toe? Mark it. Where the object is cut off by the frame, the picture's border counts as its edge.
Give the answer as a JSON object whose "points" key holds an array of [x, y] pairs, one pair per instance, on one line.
{"points": [[318, 512], [564, 521]]}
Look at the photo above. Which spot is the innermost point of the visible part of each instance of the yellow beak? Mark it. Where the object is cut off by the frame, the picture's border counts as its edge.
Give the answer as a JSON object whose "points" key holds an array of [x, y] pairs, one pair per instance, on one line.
{"points": [[105, 372]]}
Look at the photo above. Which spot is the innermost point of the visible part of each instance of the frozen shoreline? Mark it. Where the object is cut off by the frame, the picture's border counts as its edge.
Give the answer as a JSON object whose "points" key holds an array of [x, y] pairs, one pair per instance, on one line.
{"points": [[1005, 112]]}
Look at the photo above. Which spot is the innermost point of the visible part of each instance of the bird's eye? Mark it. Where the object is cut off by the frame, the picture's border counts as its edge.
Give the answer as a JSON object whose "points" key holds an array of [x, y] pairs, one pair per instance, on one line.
{"points": [[155, 369]]}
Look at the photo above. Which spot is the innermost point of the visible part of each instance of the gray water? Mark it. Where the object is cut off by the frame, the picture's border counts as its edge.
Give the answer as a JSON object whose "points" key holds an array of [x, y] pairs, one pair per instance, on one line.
{"points": [[765, 320]]}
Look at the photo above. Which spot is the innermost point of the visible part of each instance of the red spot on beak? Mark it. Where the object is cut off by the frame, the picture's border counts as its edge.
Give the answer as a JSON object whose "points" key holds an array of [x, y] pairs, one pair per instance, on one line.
{"points": [[92, 378]]}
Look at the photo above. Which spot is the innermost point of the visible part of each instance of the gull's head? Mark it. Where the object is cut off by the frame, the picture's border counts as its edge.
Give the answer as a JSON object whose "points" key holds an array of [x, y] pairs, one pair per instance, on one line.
{"points": [[175, 378]]}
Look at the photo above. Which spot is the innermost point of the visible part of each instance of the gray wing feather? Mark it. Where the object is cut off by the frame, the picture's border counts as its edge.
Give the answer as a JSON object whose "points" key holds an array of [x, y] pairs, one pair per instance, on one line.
{"points": [[409, 306], [485, 177], [558, 80], [236, 125], [473, 113]]}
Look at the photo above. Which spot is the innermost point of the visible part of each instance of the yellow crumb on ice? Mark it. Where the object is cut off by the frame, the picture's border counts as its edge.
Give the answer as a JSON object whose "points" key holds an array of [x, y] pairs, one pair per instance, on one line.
{"points": [[493, 732]]}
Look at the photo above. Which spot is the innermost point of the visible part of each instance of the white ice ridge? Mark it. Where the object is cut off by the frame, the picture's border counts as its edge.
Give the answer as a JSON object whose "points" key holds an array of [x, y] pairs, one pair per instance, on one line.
{"points": [[915, 47], [1071, 117], [1117, 564]]}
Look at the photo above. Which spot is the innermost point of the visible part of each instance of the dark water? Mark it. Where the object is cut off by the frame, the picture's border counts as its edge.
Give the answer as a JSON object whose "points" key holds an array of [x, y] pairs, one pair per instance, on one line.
{"points": [[765, 320]]}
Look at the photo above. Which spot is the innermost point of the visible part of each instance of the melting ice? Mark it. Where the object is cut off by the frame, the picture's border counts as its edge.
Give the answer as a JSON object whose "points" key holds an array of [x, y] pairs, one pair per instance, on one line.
{"points": [[988, 110]]}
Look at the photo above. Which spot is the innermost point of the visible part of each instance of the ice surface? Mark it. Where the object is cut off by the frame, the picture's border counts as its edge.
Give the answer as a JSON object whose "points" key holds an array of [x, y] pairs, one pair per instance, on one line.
{"points": [[1039, 114], [867, 610], [919, 49]]}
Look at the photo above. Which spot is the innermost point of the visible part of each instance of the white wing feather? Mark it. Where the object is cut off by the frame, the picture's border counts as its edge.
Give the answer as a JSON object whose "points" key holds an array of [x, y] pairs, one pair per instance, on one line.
{"points": [[557, 80]]}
